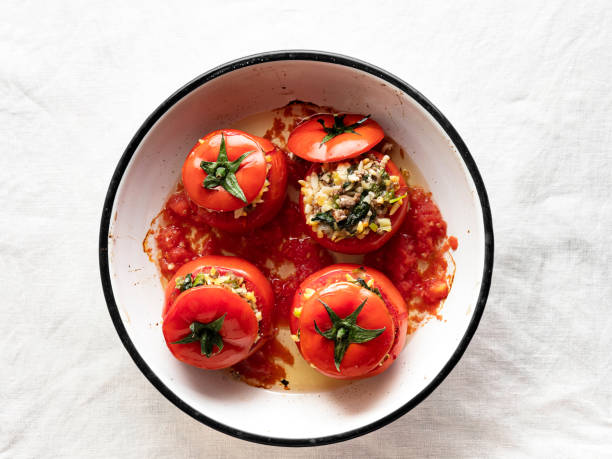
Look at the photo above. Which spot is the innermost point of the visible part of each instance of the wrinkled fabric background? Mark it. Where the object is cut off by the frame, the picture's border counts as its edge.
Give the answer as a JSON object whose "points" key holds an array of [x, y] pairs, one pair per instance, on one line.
{"points": [[526, 84]]}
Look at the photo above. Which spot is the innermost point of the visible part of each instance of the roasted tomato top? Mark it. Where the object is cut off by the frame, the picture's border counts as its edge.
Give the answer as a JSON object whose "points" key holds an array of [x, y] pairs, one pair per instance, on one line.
{"points": [[226, 170], [210, 327], [218, 310], [328, 137], [263, 208], [354, 206], [349, 321]]}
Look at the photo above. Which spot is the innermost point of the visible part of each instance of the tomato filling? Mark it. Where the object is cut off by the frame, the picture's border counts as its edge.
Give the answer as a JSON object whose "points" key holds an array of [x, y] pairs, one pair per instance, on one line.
{"points": [[351, 199]]}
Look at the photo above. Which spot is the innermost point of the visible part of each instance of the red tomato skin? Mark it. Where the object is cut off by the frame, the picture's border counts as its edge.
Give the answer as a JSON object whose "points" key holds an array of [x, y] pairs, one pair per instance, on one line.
{"points": [[205, 304], [305, 140], [264, 211], [251, 174], [372, 241], [390, 295], [344, 298], [254, 279]]}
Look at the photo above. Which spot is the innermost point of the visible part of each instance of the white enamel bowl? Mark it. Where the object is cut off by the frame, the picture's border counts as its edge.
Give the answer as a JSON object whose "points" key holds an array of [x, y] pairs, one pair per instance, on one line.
{"points": [[149, 169]]}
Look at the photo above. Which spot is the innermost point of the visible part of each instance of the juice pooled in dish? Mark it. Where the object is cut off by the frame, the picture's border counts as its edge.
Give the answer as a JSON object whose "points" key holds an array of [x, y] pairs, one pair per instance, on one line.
{"points": [[287, 196]]}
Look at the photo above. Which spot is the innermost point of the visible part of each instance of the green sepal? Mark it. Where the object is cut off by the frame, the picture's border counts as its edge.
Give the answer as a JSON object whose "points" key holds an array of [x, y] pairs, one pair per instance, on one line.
{"points": [[207, 334], [345, 332], [211, 182], [230, 183], [222, 172], [339, 127], [234, 165]]}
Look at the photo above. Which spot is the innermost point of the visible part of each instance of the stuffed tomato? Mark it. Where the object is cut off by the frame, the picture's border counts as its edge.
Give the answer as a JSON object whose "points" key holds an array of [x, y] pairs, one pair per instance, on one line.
{"points": [[354, 206], [327, 137], [217, 311], [237, 179], [349, 321]]}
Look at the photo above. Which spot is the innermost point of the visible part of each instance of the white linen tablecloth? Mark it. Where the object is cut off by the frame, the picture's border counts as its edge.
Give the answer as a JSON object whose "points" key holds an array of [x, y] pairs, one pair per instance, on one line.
{"points": [[526, 84]]}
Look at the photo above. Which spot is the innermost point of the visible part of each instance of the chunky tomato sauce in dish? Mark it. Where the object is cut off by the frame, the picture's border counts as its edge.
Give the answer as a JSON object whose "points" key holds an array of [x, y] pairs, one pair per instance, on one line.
{"points": [[251, 249]]}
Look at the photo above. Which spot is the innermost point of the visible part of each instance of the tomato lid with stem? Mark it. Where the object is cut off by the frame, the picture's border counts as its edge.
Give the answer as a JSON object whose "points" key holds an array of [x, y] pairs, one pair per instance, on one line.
{"points": [[345, 330], [226, 170], [327, 137], [210, 327]]}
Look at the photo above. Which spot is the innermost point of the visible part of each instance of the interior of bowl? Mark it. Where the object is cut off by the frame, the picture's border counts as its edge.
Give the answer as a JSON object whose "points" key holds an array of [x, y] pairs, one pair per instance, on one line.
{"points": [[216, 101]]}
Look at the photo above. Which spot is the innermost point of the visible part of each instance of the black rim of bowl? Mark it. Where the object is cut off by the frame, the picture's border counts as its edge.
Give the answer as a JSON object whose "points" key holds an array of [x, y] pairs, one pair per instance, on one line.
{"points": [[302, 55]]}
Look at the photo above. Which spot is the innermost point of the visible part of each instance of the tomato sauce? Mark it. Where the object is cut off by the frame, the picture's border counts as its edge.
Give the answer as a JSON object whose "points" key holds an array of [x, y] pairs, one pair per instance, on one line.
{"points": [[280, 249], [292, 113], [416, 259], [182, 237]]}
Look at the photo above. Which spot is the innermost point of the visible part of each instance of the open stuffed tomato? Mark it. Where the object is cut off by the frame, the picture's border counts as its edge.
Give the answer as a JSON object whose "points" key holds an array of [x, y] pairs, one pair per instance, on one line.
{"points": [[349, 321], [237, 179], [326, 137], [354, 206], [217, 311]]}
